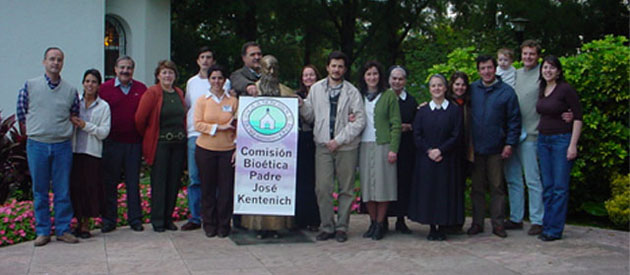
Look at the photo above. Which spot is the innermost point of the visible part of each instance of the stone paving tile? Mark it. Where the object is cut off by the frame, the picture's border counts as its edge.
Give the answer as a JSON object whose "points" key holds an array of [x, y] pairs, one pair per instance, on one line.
{"points": [[57, 252], [87, 267], [16, 259], [226, 262], [326, 269], [290, 255], [245, 271], [583, 250], [131, 266]]}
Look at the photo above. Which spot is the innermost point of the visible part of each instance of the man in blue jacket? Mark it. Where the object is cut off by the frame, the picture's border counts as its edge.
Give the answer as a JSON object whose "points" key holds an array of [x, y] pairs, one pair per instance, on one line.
{"points": [[496, 127]]}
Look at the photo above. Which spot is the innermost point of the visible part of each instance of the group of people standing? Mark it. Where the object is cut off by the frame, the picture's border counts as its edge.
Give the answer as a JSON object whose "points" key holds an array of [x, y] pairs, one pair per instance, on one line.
{"points": [[413, 159], [508, 125]]}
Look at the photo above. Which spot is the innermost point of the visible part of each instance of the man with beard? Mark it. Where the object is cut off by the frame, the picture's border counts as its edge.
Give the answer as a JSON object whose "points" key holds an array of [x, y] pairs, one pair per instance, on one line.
{"points": [[328, 106], [122, 150], [269, 85]]}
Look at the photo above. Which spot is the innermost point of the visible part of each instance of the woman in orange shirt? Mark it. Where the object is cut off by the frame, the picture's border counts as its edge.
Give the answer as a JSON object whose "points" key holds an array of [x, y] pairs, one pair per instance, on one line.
{"points": [[215, 117]]}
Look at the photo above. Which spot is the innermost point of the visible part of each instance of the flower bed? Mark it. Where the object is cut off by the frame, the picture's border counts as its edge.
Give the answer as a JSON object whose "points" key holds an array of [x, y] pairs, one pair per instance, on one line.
{"points": [[17, 221]]}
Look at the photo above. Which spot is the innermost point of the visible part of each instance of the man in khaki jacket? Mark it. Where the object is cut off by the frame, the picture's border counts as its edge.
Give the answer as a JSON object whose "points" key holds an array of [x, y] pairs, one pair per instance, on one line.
{"points": [[328, 106]]}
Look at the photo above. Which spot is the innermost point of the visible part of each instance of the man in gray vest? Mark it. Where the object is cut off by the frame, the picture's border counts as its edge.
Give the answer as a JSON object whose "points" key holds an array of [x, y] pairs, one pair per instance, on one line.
{"points": [[44, 108]]}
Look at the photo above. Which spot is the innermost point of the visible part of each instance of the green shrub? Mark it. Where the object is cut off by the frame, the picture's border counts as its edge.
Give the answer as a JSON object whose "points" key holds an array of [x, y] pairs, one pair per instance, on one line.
{"points": [[599, 73], [618, 206]]}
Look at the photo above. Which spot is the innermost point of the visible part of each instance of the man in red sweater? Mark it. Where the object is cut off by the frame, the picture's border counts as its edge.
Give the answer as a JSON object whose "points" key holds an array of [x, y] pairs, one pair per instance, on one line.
{"points": [[122, 150]]}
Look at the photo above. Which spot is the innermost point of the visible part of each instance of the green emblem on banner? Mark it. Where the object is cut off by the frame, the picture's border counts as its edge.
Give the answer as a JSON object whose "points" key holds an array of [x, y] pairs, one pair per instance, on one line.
{"points": [[267, 120]]}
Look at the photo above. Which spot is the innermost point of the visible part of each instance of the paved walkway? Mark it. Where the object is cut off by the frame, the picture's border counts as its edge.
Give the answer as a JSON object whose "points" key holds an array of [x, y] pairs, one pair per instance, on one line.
{"points": [[583, 250]]}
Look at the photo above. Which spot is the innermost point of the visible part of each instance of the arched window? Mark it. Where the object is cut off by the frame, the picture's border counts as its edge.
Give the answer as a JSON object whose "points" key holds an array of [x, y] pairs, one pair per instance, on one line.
{"points": [[115, 45]]}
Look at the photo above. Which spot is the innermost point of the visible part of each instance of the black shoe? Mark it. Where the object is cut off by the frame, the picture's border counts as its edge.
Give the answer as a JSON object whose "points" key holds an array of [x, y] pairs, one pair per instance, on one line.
{"points": [[385, 225], [379, 232], [440, 236], [510, 225], [499, 231], [546, 238], [474, 229], [190, 226], [137, 227], [402, 227], [324, 236], [370, 232], [341, 236], [432, 233], [261, 234], [223, 234], [171, 226], [84, 235], [211, 233], [535, 229], [158, 229], [108, 228], [453, 229]]}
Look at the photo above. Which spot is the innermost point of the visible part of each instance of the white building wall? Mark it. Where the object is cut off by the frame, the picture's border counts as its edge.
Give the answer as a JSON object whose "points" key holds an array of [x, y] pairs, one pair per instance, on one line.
{"points": [[147, 25], [28, 27]]}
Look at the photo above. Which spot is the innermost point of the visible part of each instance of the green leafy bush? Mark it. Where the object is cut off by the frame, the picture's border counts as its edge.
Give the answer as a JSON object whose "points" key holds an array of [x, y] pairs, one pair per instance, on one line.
{"points": [[618, 206], [599, 73]]}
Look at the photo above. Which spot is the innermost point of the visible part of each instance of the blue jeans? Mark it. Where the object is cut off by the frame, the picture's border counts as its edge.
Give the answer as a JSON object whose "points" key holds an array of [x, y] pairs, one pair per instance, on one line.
{"points": [[556, 172], [194, 187], [524, 160], [50, 165]]}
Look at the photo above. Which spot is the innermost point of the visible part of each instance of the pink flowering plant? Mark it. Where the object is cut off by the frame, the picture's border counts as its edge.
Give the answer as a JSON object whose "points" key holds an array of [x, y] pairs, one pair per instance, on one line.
{"points": [[356, 203], [17, 221]]}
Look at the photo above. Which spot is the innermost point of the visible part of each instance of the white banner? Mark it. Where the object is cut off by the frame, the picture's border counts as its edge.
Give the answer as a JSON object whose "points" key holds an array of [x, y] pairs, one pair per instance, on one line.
{"points": [[266, 156]]}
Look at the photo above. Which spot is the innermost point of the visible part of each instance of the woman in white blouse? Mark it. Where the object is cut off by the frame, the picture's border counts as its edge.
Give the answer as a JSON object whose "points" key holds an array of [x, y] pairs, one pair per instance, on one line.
{"points": [[91, 128]]}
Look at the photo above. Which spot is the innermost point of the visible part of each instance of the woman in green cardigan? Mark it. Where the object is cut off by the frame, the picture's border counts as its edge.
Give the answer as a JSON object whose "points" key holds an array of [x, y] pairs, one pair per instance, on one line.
{"points": [[379, 147]]}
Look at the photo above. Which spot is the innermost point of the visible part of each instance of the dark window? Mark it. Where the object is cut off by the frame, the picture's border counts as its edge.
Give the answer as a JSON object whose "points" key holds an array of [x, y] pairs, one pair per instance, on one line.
{"points": [[114, 44]]}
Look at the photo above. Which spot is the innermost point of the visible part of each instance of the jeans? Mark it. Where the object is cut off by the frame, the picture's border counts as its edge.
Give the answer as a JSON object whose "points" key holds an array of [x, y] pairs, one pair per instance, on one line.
{"points": [[524, 159], [117, 156], [50, 165], [556, 172], [194, 189]]}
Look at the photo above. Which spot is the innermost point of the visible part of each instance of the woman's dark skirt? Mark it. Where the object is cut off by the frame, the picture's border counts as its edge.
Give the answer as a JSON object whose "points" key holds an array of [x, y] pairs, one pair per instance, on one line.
{"points": [[306, 209], [86, 190]]}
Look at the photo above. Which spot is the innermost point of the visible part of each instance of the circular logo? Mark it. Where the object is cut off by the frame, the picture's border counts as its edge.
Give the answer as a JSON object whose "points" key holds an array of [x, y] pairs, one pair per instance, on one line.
{"points": [[267, 120]]}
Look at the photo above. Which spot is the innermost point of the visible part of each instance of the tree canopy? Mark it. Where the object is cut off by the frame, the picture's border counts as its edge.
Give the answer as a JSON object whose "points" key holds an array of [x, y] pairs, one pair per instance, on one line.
{"points": [[418, 33]]}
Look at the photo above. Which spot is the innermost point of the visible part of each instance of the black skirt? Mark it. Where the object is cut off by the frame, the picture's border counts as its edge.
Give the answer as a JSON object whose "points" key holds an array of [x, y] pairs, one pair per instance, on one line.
{"points": [[86, 190], [306, 210]]}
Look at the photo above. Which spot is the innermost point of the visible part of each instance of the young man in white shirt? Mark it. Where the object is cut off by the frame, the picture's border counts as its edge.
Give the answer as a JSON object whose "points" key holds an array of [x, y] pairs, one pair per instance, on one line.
{"points": [[196, 86]]}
